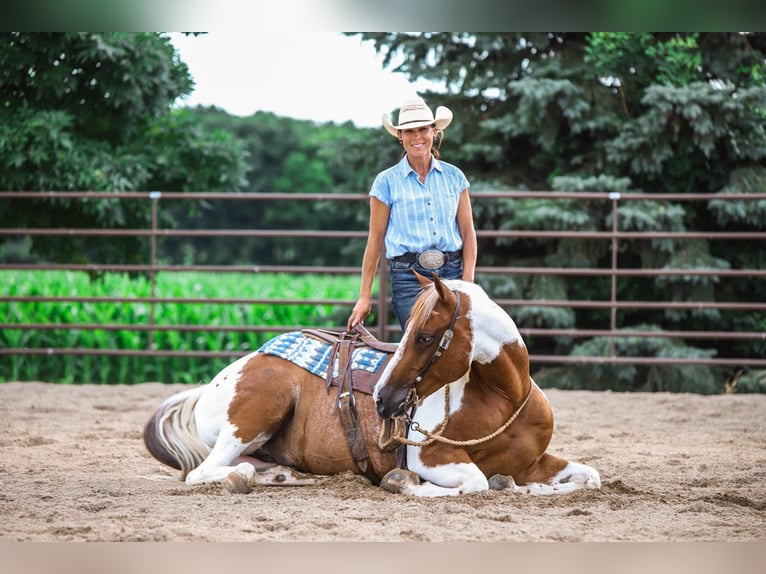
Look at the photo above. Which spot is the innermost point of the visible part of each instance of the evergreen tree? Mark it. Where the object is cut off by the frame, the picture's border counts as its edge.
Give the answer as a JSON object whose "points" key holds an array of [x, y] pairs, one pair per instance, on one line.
{"points": [[610, 112]]}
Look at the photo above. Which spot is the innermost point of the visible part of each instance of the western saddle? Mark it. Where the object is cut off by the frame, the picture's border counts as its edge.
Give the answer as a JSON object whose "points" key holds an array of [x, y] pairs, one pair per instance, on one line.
{"points": [[348, 380]]}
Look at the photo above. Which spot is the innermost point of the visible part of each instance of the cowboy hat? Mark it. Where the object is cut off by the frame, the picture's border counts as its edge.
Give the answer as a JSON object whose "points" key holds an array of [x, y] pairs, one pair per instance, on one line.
{"points": [[415, 114]]}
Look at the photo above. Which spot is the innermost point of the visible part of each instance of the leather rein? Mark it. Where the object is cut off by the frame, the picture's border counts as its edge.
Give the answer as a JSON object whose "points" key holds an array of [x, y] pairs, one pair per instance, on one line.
{"points": [[400, 424]]}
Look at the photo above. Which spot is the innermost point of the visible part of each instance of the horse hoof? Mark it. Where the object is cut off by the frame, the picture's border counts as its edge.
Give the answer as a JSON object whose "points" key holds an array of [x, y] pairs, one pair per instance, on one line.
{"points": [[398, 479], [501, 482], [237, 483]]}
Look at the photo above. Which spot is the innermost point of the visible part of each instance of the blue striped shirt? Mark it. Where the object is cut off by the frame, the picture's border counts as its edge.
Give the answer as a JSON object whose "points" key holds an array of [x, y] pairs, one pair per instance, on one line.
{"points": [[423, 216]]}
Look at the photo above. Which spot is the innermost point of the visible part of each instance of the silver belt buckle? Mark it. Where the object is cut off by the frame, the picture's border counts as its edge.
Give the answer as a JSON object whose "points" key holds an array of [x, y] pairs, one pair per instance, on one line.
{"points": [[431, 259]]}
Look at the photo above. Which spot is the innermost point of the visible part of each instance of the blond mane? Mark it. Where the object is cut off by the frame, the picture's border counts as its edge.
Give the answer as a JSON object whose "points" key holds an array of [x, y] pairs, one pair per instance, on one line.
{"points": [[424, 306]]}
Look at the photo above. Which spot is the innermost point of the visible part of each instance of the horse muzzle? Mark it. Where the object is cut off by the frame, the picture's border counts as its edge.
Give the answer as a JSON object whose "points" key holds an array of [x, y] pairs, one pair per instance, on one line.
{"points": [[395, 403]]}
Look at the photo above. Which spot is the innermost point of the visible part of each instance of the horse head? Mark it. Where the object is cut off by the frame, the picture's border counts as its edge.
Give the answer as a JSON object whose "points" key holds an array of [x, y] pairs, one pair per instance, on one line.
{"points": [[435, 350]]}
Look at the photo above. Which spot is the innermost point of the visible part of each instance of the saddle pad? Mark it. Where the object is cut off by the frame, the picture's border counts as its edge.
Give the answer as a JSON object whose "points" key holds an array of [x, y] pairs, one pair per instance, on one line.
{"points": [[314, 355]]}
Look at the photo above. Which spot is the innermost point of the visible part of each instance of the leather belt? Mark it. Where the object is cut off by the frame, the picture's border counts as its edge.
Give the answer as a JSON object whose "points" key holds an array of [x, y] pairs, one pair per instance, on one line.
{"points": [[429, 259]]}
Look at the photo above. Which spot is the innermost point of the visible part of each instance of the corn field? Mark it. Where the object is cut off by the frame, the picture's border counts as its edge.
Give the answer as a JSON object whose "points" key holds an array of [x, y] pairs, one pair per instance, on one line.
{"points": [[135, 369]]}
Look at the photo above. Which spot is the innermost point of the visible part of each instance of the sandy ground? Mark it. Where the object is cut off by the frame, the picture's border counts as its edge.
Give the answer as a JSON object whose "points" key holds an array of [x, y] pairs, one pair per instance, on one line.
{"points": [[674, 468]]}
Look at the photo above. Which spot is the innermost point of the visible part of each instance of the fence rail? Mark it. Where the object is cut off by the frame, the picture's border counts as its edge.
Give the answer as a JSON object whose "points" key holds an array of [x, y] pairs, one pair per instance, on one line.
{"points": [[386, 331]]}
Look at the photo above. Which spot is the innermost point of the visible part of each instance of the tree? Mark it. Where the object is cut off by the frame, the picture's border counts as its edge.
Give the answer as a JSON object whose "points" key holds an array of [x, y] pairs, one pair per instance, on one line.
{"points": [[294, 157], [638, 112], [93, 112]]}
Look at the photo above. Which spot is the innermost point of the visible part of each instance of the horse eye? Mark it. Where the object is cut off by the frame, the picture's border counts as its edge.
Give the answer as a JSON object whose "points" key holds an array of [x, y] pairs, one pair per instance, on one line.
{"points": [[425, 339]]}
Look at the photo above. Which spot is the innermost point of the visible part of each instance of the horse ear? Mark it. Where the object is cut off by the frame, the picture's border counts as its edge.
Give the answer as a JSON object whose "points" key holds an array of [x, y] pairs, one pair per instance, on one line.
{"points": [[441, 289], [424, 281]]}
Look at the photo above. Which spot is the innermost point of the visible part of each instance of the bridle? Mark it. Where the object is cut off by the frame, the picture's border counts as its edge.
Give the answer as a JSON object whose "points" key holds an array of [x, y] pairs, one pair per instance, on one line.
{"points": [[444, 343], [394, 431]]}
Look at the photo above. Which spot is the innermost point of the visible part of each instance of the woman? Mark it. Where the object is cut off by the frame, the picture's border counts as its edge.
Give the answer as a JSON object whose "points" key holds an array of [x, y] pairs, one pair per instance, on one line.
{"points": [[420, 211]]}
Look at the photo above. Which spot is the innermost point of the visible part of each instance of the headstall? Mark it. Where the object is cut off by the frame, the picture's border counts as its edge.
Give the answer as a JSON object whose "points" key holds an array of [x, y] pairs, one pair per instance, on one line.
{"points": [[443, 344]]}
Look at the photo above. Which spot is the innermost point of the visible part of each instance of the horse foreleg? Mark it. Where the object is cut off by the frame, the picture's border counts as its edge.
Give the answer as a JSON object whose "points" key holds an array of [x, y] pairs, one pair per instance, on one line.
{"points": [[574, 476], [238, 482], [451, 479]]}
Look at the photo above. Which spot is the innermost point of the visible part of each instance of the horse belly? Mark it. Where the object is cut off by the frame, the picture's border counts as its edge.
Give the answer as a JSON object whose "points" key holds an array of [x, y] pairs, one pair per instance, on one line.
{"points": [[314, 440]]}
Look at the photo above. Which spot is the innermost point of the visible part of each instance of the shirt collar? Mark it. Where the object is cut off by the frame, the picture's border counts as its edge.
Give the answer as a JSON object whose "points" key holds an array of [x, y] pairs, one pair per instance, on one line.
{"points": [[406, 169]]}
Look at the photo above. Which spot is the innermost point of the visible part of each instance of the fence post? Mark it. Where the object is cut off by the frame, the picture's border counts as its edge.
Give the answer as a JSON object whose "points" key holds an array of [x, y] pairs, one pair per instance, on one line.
{"points": [[155, 198], [615, 198]]}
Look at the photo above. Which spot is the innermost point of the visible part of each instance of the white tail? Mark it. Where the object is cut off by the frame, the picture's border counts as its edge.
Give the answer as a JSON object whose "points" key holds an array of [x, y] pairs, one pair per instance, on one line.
{"points": [[171, 434]]}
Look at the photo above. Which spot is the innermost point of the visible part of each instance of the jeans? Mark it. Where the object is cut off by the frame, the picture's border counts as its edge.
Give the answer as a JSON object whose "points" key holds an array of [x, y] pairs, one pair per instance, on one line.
{"points": [[405, 287]]}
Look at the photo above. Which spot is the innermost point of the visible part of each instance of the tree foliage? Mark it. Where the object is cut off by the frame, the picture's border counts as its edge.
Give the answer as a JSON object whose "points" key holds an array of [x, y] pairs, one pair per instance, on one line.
{"points": [[92, 112], [615, 112], [294, 157], [610, 112]]}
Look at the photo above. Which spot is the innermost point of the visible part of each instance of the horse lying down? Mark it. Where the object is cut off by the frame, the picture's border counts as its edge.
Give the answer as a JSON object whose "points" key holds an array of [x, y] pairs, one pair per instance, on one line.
{"points": [[455, 396]]}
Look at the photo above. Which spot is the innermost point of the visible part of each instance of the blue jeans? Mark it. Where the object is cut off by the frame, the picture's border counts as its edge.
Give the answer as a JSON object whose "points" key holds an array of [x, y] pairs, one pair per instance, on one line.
{"points": [[405, 287]]}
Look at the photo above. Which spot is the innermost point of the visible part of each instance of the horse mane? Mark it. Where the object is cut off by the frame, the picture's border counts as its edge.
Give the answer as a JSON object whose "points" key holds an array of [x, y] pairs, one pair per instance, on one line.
{"points": [[424, 306]]}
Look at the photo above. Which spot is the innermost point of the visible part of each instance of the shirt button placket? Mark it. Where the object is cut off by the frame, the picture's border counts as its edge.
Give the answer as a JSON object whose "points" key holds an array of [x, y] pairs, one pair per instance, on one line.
{"points": [[434, 230]]}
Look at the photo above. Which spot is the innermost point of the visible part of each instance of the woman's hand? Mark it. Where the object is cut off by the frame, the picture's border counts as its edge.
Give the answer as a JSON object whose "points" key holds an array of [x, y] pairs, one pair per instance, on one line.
{"points": [[361, 311]]}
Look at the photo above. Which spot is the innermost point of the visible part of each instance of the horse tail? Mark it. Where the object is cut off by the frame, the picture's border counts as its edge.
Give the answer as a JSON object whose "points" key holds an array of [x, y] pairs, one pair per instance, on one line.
{"points": [[171, 434]]}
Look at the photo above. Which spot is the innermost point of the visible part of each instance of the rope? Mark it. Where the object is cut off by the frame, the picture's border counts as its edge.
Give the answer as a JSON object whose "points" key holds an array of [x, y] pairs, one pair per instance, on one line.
{"points": [[437, 436]]}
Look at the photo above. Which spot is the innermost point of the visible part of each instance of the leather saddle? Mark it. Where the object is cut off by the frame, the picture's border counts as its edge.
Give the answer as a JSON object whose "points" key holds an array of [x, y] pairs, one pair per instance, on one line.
{"points": [[344, 344], [348, 380]]}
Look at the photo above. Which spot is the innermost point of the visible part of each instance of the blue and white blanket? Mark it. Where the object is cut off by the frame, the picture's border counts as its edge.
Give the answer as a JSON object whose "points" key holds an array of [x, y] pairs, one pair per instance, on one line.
{"points": [[314, 355]]}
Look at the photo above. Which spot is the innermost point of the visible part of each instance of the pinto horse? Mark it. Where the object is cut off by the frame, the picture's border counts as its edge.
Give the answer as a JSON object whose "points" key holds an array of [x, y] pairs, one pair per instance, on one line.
{"points": [[458, 384]]}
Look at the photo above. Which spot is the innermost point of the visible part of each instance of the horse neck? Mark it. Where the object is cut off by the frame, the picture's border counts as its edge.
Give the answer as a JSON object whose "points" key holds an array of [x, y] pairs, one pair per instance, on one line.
{"points": [[506, 375], [500, 357]]}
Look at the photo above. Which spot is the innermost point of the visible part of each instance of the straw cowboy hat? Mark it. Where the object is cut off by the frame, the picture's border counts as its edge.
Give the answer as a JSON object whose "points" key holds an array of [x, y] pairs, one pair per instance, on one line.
{"points": [[415, 114]]}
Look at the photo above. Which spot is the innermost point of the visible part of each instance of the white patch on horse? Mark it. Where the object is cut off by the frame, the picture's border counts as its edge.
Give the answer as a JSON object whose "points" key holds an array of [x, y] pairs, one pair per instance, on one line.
{"points": [[491, 326], [430, 411], [211, 413], [573, 477], [451, 479], [220, 462], [386, 374], [217, 431]]}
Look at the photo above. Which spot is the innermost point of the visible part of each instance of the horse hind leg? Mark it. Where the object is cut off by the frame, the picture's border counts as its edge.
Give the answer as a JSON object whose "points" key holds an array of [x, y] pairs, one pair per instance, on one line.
{"points": [[226, 457], [249, 414]]}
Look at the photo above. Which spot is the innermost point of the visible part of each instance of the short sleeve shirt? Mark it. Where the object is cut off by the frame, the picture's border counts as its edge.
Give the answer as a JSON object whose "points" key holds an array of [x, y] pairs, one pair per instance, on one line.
{"points": [[423, 216]]}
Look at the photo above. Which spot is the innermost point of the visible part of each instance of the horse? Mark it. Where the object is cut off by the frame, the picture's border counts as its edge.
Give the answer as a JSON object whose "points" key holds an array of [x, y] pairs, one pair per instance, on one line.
{"points": [[454, 396]]}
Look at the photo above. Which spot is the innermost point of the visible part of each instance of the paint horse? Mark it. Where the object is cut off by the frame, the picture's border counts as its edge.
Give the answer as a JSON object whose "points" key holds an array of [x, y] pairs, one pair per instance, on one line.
{"points": [[455, 395]]}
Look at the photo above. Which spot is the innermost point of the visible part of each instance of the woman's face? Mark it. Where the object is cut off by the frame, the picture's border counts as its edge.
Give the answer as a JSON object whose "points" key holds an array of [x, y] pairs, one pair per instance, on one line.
{"points": [[418, 142]]}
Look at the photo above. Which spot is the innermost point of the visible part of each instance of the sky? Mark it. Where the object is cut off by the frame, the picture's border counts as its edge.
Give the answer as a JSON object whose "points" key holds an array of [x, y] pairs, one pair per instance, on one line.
{"points": [[305, 75]]}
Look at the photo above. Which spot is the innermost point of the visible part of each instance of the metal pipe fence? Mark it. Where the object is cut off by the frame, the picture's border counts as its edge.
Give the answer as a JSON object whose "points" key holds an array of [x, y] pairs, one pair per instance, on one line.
{"points": [[384, 330]]}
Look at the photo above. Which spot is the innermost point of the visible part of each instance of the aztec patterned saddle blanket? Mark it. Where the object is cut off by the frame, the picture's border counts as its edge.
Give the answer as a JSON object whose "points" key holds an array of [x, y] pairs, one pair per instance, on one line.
{"points": [[321, 353]]}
